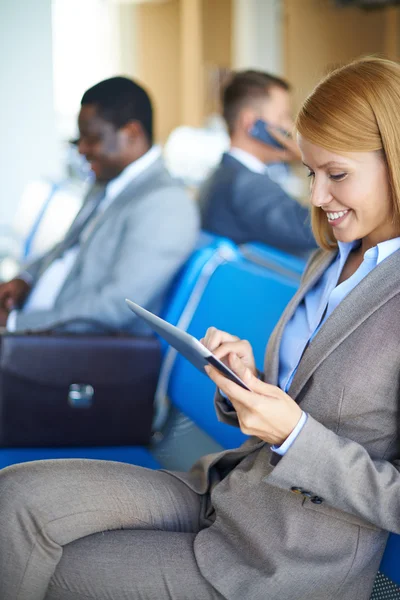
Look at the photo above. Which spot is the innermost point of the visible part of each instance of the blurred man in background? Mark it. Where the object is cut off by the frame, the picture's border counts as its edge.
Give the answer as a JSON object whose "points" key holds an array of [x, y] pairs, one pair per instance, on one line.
{"points": [[135, 229], [244, 198]]}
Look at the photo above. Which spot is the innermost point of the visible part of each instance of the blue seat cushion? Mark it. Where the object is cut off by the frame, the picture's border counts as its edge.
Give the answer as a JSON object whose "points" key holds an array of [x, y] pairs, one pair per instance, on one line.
{"points": [[129, 454], [390, 565], [385, 589]]}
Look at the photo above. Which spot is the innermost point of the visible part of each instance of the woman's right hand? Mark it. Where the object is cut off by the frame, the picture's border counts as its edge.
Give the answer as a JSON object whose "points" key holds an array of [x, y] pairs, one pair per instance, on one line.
{"points": [[221, 344]]}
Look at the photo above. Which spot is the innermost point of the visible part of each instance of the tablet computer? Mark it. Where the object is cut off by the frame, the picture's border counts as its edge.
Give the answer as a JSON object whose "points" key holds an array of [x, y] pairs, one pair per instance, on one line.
{"points": [[185, 344]]}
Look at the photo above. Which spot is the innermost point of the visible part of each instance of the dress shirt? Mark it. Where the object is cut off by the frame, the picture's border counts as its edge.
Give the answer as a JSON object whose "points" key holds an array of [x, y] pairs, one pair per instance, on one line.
{"points": [[279, 172], [316, 307], [48, 287], [248, 160]]}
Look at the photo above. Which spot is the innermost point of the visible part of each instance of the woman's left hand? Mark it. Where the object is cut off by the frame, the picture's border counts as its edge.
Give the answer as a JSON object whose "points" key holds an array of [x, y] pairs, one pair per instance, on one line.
{"points": [[266, 412]]}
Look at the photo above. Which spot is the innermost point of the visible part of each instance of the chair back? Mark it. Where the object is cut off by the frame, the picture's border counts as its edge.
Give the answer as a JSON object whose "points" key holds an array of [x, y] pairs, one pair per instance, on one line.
{"points": [[212, 251], [240, 296], [272, 258]]}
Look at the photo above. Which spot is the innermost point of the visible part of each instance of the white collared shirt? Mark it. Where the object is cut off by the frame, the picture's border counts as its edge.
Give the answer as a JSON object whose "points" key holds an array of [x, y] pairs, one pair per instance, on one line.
{"points": [[279, 172], [248, 160], [48, 287], [322, 300], [115, 186]]}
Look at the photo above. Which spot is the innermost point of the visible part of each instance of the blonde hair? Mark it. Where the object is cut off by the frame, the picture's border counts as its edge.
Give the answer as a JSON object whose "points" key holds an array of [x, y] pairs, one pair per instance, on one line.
{"points": [[355, 109]]}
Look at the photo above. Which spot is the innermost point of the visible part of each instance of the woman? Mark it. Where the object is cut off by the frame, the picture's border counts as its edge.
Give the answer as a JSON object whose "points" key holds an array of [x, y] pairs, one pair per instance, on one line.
{"points": [[301, 510]]}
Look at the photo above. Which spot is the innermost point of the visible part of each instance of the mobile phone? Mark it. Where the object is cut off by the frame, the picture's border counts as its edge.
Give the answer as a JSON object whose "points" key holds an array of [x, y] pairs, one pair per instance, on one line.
{"points": [[259, 131]]}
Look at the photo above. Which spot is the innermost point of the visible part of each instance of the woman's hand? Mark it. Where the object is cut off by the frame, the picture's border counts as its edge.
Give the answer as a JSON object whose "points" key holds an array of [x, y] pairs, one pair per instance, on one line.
{"points": [[221, 344], [266, 412]]}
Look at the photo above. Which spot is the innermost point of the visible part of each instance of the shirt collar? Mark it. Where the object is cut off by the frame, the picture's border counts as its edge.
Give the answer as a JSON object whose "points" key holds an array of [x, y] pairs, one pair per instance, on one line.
{"points": [[248, 160], [344, 250], [115, 187], [385, 249], [377, 253]]}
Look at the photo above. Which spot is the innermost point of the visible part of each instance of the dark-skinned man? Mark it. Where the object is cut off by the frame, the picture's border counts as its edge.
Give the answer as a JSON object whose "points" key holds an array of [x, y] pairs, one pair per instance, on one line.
{"points": [[135, 229]]}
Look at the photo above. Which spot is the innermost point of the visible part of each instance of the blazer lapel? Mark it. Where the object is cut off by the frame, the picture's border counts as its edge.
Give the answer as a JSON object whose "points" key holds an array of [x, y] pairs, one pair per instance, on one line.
{"points": [[271, 363], [377, 288], [72, 236], [135, 189]]}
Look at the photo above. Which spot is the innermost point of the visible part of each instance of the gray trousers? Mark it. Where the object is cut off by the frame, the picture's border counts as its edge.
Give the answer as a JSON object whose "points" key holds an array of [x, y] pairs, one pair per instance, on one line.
{"points": [[80, 529]]}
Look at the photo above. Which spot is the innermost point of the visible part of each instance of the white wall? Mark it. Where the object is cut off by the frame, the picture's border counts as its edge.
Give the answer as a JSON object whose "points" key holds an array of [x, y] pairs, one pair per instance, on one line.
{"points": [[86, 50], [257, 35], [28, 146]]}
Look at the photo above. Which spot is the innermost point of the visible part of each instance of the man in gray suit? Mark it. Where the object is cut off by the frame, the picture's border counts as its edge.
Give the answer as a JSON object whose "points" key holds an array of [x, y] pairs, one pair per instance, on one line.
{"points": [[244, 198], [135, 229]]}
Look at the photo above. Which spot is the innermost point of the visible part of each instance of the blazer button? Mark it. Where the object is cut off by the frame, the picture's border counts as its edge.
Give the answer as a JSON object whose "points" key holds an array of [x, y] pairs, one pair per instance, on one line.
{"points": [[296, 490], [307, 494], [317, 500]]}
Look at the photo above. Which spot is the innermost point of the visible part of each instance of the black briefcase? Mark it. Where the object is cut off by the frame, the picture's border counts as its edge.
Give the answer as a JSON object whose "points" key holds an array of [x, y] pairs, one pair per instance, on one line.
{"points": [[59, 389]]}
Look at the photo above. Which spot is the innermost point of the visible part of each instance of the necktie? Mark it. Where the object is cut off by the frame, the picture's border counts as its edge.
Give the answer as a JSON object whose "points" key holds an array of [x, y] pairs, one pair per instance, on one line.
{"points": [[83, 218], [85, 215]]}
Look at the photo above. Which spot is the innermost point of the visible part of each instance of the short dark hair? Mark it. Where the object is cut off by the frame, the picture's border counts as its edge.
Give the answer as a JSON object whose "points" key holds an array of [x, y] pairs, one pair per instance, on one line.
{"points": [[120, 100], [244, 87]]}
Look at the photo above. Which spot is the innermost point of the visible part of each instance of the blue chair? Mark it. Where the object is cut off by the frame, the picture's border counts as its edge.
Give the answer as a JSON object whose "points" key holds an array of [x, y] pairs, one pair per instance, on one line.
{"points": [[242, 298], [271, 258], [387, 581], [210, 252], [246, 299]]}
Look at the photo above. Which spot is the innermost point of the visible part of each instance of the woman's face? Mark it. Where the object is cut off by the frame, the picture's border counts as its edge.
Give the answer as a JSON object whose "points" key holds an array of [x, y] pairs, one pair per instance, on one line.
{"points": [[352, 189]]}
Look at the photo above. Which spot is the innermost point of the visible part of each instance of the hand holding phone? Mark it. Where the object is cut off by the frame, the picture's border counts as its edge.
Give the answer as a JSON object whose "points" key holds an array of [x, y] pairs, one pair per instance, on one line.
{"points": [[265, 133], [261, 131]]}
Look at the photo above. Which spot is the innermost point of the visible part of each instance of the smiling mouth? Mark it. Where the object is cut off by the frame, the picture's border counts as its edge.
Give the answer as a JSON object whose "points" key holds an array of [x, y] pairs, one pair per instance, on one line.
{"points": [[335, 217]]}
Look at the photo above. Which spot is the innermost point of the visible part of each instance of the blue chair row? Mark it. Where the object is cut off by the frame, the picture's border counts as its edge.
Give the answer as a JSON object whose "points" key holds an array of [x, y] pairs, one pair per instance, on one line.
{"points": [[215, 287], [191, 280], [240, 290]]}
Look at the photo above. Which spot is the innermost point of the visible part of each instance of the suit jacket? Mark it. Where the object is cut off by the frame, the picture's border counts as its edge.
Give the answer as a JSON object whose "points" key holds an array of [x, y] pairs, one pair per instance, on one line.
{"points": [[133, 251], [247, 207], [267, 539]]}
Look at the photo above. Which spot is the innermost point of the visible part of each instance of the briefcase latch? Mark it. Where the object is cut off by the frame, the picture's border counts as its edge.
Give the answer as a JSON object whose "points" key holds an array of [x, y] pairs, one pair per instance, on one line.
{"points": [[80, 395]]}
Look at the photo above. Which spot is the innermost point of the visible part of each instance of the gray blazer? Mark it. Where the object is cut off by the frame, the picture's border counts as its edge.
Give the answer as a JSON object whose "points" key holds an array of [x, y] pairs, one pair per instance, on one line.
{"points": [[250, 207], [268, 539], [133, 251]]}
